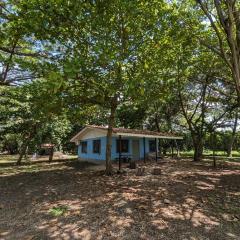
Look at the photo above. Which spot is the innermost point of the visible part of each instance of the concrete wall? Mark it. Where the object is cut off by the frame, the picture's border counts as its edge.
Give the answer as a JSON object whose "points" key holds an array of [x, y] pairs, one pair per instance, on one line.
{"points": [[102, 155]]}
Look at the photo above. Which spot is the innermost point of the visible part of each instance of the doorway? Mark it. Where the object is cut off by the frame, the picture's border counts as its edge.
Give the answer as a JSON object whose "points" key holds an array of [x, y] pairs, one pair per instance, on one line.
{"points": [[135, 150]]}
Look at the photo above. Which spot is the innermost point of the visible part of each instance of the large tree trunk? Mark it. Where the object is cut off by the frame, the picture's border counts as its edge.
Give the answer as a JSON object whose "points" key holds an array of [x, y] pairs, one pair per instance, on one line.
{"points": [[230, 145], [198, 148], [111, 122]]}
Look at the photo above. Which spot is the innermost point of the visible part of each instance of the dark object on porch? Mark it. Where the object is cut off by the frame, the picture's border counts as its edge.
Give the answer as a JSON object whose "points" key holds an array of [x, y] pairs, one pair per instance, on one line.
{"points": [[157, 171], [140, 171], [133, 165], [124, 159]]}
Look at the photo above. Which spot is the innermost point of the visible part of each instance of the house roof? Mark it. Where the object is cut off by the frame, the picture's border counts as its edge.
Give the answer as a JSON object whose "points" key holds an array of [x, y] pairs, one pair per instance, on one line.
{"points": [[128, 132]]}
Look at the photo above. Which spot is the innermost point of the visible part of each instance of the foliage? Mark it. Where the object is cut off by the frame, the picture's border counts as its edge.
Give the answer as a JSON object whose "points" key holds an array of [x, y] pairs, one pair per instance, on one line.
{"points": [[30, 113], [161, 65]]}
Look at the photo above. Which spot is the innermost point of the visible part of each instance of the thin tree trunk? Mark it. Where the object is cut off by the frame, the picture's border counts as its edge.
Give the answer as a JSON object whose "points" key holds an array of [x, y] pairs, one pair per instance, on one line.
{"points": [[24, 147], [111, 122], [229, 150], [22, 153], [172, 149], [230, 145], [177, 148], [26, 153], [51, 154]]}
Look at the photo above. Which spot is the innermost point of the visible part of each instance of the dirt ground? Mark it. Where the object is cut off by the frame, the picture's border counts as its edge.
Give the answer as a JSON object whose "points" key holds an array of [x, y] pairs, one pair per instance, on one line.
{"points": [[72, 200]]}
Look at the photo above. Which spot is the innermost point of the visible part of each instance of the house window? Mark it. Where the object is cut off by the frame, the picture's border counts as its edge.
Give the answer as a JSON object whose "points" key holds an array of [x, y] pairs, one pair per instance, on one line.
{"points": [[124, 146], [97, 146], [84, 147], [152, 146]]}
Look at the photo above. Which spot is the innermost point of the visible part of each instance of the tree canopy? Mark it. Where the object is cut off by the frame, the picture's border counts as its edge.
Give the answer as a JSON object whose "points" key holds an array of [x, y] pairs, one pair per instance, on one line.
{"points": [[162, 65]]}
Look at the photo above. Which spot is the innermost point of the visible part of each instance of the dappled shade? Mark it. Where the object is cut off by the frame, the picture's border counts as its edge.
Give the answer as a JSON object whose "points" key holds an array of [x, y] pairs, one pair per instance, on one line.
{"points": [[67, 201]]}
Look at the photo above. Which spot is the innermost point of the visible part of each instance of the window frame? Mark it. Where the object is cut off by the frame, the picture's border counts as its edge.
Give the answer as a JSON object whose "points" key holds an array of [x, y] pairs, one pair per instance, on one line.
{"points": [[98, 146], [150, 142], [84, 145], [123, 141]]}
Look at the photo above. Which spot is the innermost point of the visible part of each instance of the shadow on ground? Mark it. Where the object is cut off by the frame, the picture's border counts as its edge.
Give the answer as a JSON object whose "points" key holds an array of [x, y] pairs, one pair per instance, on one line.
{"points": [[187, 201], [33, 162]]}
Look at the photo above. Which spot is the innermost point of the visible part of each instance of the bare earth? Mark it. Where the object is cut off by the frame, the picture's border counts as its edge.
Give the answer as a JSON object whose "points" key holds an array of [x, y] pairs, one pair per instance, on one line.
{"points": [[72, 200]]}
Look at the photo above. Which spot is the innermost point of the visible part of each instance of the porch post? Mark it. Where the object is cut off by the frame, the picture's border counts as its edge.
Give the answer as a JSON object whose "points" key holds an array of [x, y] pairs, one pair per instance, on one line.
{"points": [[156, 148], [160, 147], [120, 151], [144, 150]]}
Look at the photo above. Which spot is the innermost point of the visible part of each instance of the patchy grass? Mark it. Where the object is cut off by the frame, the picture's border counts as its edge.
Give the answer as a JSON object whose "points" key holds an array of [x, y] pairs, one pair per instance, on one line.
{"points": [[58, 211], [72, 200], [207, 153], [8, 158]]}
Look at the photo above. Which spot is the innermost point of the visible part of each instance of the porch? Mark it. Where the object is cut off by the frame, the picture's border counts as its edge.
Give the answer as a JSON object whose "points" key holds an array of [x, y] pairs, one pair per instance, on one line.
{"points": [[144, 148]]}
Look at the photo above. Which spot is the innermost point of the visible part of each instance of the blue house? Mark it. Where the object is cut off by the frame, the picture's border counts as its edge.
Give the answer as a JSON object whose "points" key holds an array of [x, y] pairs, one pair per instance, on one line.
{"points": [[126, 143]]}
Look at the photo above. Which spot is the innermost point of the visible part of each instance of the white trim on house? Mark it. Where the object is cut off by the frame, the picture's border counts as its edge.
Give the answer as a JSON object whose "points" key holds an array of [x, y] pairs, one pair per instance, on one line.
{"points": [[97, 133], [73, 139], [87, 133]]}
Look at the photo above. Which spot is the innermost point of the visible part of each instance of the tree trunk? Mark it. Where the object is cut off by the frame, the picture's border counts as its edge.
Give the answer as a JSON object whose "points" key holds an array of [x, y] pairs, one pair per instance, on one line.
{"points": [[51, 154], [111, 122], [172, 149], [229, 149], [24, 148], [177, 148], [198, 149], [22, 153], [230, 145]]}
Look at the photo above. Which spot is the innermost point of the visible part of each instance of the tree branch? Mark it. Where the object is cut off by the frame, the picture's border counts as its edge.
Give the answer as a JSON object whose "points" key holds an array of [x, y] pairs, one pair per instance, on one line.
{"points": [[214, 26]]}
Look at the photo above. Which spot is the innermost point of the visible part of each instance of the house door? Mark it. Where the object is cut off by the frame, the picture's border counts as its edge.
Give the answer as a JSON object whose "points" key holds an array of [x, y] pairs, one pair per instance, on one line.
{"points": [[135, 150]]}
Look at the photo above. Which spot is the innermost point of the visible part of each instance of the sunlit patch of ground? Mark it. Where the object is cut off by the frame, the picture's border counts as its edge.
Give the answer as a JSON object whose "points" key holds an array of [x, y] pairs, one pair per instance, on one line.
{"points": [[72, 200]]}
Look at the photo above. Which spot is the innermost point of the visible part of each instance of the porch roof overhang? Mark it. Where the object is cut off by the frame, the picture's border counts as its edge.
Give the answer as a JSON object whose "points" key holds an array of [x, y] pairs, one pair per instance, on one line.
{"points": [[147, 135], [127, 133]]}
